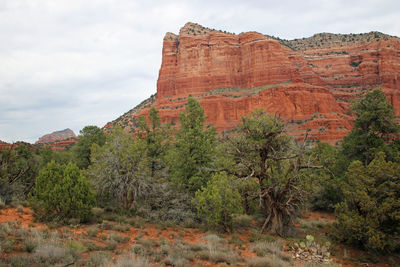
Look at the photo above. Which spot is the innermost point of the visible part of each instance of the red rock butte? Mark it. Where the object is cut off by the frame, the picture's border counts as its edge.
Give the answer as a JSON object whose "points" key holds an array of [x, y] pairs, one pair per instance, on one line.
{"points": [[56, 136], [58, 140], [308, 82]]}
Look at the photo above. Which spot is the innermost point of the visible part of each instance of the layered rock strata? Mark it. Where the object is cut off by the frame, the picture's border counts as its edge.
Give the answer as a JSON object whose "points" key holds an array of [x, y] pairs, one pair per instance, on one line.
{"points": [[308, 82], [56, 136]]}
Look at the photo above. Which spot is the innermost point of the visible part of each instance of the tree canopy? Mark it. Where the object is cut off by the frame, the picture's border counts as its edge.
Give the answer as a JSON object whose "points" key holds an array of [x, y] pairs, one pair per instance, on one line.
{"points": [[88, 136], [119, 169], [373, 128], [193, 150], [260, 149], [155, 136], [370, 215], [19, 166]]}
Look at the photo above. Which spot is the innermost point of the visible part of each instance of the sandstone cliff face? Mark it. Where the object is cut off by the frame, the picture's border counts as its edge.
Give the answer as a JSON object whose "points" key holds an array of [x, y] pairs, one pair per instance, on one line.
{"points": [[56, 136], [308, 82]]}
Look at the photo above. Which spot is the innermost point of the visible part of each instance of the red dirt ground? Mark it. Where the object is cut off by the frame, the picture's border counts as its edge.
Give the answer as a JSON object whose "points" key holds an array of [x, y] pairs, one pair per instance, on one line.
{"points": [[189, 235]]}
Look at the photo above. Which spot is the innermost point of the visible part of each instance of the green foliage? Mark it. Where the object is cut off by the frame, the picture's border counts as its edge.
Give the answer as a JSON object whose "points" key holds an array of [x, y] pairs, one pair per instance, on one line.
{"points": [[89, 135], [62, 192], [247, 188], [355, 64], [119, 170], [373, 128], [218, 201], [194, 149], [324, 184], [18, 171], [47, 155], [259, 149], [370, 215], [155, 136]]}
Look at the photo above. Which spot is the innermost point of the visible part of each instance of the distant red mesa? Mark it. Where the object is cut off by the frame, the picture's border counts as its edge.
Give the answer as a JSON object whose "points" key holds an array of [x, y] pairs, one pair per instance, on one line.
{"points": [[58, 140]]}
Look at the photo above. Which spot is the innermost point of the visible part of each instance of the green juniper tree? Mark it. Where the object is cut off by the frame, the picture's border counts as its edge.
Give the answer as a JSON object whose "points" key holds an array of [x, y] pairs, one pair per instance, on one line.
{"points": [[19, 166], [62, 192], [324, 185], [47, 155], [369, 215], [261, 150]]}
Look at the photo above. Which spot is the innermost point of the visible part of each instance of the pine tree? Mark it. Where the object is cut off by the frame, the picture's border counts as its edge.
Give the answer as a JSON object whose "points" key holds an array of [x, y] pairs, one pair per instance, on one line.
{"points": [[194, 149], [373, 129], [155, 136]]}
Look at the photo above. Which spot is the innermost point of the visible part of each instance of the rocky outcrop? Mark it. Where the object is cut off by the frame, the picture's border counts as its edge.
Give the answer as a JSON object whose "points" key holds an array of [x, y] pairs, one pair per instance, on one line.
{"points": [[56, 141], [4, 145], [308, 82], [62, 145], [56, 136]]}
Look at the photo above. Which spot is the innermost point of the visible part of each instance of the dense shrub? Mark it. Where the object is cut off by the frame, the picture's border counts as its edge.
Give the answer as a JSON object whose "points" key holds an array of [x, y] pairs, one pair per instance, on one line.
{"points": [[370, 215], [164, 203], [18, 171], [61, 193], [119, 171], [218, 201]]}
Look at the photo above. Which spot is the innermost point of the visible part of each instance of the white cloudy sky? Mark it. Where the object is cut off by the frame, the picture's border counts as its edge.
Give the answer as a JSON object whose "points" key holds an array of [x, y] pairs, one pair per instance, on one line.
{"points": [[71, 63]]}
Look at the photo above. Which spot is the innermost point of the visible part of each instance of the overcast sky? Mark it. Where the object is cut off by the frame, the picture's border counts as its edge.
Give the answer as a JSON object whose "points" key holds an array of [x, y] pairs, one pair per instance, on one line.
{"points": [[72, 63]]}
